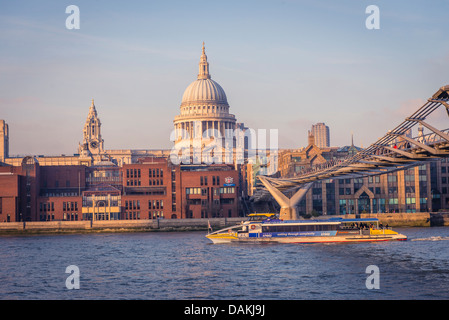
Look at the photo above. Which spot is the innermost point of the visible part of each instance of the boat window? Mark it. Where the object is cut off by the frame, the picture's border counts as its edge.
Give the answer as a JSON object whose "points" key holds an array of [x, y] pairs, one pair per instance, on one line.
{"points": [[348, 226], [260, 218], [297, 228]]}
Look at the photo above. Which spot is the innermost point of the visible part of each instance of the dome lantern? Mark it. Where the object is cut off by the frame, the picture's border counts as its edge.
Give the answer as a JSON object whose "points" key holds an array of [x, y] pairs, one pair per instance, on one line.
{"points": [[204, 66]]}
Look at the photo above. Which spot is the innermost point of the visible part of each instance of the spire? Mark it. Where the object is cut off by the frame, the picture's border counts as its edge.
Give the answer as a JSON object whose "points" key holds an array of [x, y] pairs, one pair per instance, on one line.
{"points": [[92, 110], [311, 138], [203, 66]]}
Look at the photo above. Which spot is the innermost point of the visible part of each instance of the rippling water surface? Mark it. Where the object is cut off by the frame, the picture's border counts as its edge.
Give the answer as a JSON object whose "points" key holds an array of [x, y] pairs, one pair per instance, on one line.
{"points": [[185, 265]]}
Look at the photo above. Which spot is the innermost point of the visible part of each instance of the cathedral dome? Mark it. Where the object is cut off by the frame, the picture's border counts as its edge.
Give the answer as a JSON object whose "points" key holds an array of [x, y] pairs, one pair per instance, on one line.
{"points": [[204, 91], [204, 110]]}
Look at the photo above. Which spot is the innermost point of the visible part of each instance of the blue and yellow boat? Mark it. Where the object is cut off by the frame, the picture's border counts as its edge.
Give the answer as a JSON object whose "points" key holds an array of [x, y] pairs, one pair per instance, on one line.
{"points": [[269, 228]]}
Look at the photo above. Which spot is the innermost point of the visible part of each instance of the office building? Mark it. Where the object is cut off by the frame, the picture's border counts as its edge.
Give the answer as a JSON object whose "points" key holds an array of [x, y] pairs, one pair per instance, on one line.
{"points": [[322, 136]]}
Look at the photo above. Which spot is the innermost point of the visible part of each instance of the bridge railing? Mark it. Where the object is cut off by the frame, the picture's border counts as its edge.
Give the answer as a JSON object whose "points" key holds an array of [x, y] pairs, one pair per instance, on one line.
{"points": [[396, 150]]}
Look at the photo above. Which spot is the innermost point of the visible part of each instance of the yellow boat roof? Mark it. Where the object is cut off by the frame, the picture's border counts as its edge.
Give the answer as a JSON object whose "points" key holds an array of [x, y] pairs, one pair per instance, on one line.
{"points": [[261, 214]]}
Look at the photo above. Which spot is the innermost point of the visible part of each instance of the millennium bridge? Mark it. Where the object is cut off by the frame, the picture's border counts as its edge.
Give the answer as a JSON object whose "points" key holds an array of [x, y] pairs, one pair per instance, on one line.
{"points": [[396, 150]]}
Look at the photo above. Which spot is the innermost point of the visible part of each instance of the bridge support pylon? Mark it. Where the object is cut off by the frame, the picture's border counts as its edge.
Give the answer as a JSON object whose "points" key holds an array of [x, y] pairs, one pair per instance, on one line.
{"points": [[288, 205]]}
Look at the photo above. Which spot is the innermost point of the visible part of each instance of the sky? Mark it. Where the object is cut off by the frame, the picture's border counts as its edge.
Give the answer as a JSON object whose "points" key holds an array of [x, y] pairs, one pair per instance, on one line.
{"points": [[284, 65]]}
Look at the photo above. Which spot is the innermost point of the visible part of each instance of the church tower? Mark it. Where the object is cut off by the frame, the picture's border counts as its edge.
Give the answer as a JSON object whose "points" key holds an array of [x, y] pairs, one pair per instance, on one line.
{"points": [[92, 133]]}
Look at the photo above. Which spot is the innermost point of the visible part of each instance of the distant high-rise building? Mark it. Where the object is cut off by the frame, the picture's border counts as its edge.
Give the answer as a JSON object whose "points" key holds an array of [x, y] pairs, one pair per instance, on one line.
{"points": [[321, 133], [4, 140]]}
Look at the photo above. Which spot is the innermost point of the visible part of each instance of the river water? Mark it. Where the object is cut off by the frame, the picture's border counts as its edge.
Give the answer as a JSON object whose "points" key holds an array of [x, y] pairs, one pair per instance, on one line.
{"points": [[185, 265]]}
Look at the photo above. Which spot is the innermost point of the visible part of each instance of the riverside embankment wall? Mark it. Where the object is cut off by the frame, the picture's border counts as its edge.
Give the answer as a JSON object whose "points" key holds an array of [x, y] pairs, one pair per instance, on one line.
{"points": [[419, 219], [416, 219], [117, 225]]}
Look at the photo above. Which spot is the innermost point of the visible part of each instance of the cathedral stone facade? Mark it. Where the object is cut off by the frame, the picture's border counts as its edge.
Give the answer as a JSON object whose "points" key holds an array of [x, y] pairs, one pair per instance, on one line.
{"points": [[204, 108], [205, 127]]}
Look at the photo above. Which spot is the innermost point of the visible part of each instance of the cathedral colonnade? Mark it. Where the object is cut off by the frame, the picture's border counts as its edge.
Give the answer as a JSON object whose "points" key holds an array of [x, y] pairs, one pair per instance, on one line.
{"points": [[207, 128]]}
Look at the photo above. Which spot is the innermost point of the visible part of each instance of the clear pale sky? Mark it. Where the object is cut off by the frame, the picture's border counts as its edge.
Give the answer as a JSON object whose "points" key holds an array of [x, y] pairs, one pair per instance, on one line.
{"points": [[283, 64]]}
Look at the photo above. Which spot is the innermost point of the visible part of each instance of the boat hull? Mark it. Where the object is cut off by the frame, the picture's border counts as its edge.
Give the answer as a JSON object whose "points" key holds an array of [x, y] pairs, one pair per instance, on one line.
{"points": [[334, 230], [327, 239]]}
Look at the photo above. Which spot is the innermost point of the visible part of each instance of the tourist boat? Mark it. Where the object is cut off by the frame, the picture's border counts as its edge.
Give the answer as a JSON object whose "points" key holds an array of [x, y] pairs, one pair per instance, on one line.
{"points": [[269, 228]]}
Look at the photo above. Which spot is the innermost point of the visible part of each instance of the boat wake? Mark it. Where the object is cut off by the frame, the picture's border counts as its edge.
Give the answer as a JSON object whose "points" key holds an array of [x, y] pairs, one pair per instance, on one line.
{"points": [[438, 238]]}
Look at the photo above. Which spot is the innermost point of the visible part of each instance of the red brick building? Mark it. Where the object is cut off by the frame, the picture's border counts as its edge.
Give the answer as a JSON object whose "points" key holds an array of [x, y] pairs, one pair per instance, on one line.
{"points": [[9, 191], [209, 191], [154, 188], [151, 188], [59, 194], [19, 187]]}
